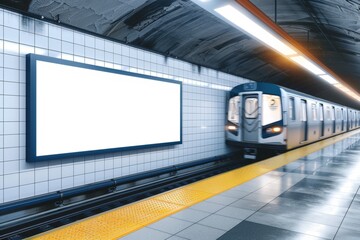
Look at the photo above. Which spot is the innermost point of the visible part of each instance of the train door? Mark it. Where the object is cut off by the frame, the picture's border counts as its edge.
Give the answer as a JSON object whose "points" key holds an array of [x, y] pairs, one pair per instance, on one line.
{"points": [[355, 122], [250, 118], [333, 119], [342, 119], [304, 121], [321, 118]]}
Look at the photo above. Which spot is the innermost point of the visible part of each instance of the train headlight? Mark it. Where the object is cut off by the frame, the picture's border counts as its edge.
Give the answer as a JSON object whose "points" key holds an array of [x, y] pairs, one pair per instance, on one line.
{"points": [[274, 130], [232, 128]]}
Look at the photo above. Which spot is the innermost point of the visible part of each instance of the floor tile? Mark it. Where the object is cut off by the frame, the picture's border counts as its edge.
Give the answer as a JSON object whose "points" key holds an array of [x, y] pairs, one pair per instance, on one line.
{"points": [[305, 227], [248, 204], [247, 188], [222, 200], [351, 224], [322, 208], [176, 238], [220, 222], [235, 212], [274, 173], [260, 197], [316, 177], [353, 213], [190, 215], [348, 196], [302, 213], [306, 197], [146, 234], [208, 207], [272, 190], [200, 232], [345, 234], [254, 231], [355, 203], [323, 174], [296, 177], [235, 193], [170, 225]]}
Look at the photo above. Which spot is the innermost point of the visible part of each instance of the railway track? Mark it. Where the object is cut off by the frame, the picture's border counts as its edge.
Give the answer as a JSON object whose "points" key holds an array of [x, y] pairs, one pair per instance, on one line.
{"points": [[61, 213]]}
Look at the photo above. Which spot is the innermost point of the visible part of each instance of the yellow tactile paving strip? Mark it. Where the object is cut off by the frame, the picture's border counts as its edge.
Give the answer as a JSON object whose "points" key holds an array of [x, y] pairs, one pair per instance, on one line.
{"points": [[119, 222]]}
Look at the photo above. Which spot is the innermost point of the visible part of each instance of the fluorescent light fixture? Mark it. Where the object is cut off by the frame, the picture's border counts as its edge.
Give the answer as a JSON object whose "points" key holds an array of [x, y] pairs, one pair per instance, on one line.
{"points": [[248, 25], [307, 64], [246, 20], [342, 87], [329, 79]]}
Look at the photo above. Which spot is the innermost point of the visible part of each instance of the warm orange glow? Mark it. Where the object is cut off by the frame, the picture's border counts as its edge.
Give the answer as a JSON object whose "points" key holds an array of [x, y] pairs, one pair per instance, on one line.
{"points": [[246, 17], [232, 128], [276, 129]]}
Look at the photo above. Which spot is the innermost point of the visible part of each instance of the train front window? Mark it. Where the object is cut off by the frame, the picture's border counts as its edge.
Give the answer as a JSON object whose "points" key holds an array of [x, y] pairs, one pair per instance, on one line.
{"points": [[271, 109], [233, 114], [251, 107]]}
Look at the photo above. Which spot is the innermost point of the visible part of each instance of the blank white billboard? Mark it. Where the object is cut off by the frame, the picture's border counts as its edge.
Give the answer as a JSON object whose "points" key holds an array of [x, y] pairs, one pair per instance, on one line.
{"points": [[82, 109]]}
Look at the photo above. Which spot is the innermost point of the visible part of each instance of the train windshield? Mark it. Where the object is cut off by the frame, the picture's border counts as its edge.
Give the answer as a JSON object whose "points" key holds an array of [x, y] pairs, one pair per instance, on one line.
{"points": [[251, 107], [271, 109], [233, 114]]}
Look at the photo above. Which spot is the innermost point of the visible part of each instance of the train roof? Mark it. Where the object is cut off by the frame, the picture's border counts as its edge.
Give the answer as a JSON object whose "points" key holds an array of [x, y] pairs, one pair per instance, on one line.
{"points": [[271, 88]]}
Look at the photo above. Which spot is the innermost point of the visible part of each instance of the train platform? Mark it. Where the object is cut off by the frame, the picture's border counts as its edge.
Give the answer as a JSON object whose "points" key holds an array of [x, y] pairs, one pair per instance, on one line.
{"points": [[307, 193]]}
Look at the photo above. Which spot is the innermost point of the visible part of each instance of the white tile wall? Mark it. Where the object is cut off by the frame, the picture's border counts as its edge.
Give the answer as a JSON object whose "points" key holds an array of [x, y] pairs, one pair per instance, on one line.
{"points": [[204, 97]]}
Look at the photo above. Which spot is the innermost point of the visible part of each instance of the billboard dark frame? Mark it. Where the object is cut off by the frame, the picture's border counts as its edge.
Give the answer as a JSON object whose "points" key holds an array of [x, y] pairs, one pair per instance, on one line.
{"points": [[31, 131]]}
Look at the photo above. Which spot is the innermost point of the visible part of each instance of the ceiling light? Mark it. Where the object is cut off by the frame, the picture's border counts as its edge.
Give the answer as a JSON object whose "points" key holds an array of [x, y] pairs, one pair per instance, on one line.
{"points": [[342, 87], [246, 17], [307, 64], [329, 79], [248, 25]]}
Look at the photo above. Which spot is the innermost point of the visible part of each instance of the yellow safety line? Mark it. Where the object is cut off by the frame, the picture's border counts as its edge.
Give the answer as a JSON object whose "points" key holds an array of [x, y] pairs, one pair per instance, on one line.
{"points": [[121, 221]]}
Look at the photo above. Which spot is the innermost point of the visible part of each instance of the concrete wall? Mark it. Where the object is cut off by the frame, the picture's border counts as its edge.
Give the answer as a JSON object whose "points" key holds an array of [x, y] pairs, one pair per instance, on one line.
{"points": [[204, 95]]}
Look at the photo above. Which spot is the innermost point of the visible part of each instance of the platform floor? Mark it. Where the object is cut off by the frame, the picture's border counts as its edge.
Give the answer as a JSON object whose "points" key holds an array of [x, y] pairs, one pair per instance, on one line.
{"points": [[316, 197], [308, 193]]}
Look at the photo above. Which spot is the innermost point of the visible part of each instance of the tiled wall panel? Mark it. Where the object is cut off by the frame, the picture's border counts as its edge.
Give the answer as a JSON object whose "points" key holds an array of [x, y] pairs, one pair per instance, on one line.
{"points": [[204, 95]]}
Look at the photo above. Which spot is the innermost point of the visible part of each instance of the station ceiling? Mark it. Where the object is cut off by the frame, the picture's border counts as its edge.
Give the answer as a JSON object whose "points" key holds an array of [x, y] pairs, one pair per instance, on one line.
{"points": [[329, 29]]}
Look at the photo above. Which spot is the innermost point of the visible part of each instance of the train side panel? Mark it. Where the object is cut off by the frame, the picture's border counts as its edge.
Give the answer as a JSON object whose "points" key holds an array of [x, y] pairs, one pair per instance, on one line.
{"points": [[263, 115], [310, 120]]}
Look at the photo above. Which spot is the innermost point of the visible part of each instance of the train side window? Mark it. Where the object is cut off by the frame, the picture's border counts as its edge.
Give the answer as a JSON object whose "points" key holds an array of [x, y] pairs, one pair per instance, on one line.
{"points": [[354, 117], [313, 110], [233, 114], [321, 116], [292, 108], [328, 113], [251, 107]]}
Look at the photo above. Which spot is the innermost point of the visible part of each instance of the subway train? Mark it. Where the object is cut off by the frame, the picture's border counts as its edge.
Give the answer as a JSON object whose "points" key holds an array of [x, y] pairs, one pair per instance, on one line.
{"points": [[268, 116]]}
